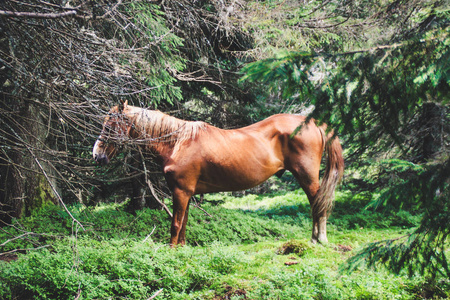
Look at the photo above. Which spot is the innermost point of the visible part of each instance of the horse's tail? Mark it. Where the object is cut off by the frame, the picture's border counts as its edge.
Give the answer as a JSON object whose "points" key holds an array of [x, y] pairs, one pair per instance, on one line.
{"points": [[333, 173]]}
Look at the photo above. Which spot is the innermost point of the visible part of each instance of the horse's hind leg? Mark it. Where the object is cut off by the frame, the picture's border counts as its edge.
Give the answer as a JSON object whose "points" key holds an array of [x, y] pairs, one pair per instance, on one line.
{"points": [[307, 175], [319, 229]]}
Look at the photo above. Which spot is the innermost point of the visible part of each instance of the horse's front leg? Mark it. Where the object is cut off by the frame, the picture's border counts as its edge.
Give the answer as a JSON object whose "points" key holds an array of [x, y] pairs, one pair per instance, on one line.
{"points": [[179, 219], [182, 235]]}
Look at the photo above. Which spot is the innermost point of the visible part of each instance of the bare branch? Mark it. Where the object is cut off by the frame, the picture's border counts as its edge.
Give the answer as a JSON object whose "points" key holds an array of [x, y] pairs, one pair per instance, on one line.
{"points": [[54, 189], [24, 250], [156, 294], [150, 186], [150, 234], [17, 237], [24, 14]]}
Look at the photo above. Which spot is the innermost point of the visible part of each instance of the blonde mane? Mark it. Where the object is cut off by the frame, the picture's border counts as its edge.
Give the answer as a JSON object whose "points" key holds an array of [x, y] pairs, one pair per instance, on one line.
{"points": [[157, 126]]}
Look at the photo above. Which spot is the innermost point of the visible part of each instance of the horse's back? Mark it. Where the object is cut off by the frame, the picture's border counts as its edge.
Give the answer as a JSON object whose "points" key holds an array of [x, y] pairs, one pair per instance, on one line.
{"points": [[295, 132], [279, 123]]}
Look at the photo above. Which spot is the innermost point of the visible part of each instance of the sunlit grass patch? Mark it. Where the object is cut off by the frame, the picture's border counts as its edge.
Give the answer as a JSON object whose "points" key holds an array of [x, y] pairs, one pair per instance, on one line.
{"points": [[252, 202]]}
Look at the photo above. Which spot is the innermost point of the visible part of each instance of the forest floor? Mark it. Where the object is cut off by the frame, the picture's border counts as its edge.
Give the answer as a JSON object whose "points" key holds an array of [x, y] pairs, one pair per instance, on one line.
{"points": [[247, 247]]}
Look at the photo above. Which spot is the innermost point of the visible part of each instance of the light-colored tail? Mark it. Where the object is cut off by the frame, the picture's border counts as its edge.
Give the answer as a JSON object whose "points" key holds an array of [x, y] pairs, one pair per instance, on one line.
{"points": [[332, 177]]}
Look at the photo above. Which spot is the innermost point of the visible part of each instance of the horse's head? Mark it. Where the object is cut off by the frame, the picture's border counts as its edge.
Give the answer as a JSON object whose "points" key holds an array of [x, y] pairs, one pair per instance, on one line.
{"points": [[116, 129]]}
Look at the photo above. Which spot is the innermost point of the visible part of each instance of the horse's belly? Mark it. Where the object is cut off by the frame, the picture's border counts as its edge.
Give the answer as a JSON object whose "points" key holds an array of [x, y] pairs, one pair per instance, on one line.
{"points": [[234, 179], [207, 186]]}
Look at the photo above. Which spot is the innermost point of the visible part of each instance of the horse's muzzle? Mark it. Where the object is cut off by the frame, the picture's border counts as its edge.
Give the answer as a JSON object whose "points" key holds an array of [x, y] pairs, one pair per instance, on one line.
{"points": [[102, 159]]}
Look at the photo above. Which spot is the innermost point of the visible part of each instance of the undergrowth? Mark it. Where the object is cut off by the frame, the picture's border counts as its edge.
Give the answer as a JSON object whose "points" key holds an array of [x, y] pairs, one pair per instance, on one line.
{"points": [[251, 247]]}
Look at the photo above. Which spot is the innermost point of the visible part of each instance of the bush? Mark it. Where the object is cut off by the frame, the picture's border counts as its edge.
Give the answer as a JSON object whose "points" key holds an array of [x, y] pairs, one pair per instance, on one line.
{"points": [[293, 246], [114, 268]]}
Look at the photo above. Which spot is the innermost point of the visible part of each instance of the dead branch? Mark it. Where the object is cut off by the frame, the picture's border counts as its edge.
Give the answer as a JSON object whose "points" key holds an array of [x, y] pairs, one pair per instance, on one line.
{"points": [[152, 190], [24, 14], [150, 234], [197, 205], [17, 237], [54, 190], [24, 250], [156, 294]]}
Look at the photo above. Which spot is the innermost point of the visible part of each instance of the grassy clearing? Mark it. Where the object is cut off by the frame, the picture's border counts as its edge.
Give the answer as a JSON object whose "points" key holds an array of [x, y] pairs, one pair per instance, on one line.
{"points": [[239, 252]]}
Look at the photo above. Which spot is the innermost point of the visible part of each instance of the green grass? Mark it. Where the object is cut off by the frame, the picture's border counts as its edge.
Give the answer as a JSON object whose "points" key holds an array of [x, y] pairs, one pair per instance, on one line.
{"points": [[236, 253]]}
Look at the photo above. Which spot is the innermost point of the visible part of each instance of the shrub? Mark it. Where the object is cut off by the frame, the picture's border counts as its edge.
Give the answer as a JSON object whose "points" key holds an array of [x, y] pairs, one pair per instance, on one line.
{"points": [[114, 268], [293, 246]]}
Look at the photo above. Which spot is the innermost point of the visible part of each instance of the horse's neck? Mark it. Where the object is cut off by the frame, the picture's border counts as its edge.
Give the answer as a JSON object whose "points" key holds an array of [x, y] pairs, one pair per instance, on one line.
{"points": [[152, 124], [160, 132]]}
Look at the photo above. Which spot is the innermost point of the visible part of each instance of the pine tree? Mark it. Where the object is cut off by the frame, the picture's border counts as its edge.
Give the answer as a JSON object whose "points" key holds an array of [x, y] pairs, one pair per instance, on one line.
{"points": [[390, 99]]}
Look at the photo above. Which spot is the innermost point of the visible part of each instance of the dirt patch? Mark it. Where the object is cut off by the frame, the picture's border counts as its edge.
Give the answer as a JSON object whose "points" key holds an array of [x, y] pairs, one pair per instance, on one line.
{"points": [[293, 247], [231, 292], [8, 257], [343, 248]]}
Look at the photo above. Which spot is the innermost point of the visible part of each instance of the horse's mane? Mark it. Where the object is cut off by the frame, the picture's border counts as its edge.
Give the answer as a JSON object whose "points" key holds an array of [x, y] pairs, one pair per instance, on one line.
{"points": [[161, 127]]}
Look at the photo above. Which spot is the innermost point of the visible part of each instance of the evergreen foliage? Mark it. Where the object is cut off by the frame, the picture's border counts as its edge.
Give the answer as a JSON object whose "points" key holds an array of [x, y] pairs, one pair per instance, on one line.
{"points": [[424, 250], [378, 98]]}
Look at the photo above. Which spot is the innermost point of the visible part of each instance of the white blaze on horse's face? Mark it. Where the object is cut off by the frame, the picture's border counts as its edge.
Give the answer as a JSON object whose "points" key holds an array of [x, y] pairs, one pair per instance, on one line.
{"points": [[99, 151], [113, 130], [104, 149]]}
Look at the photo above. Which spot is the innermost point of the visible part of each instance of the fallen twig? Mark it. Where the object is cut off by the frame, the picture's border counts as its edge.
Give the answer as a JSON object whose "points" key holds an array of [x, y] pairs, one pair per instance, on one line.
{"points": [[152, 190], [25, 14], [149, 235], [156, 294], [24, 250], [17, 237], [198, 206]]}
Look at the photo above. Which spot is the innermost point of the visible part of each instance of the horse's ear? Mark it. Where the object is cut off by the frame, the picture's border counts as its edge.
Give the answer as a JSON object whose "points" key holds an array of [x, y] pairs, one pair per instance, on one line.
{"points": [[123, 105]]}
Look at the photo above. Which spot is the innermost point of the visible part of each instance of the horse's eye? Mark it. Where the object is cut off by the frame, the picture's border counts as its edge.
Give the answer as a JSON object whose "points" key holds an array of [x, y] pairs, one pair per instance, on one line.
{"points": [[108, 128]]}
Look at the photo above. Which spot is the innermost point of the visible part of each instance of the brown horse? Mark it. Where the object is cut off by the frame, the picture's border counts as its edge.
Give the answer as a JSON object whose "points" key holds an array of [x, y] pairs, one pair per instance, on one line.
{"points": [[199, 158]]}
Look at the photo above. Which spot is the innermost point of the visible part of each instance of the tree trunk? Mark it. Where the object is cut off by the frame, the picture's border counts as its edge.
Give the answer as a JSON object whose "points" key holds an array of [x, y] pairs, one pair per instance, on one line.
{"points": [[23, 185]]}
